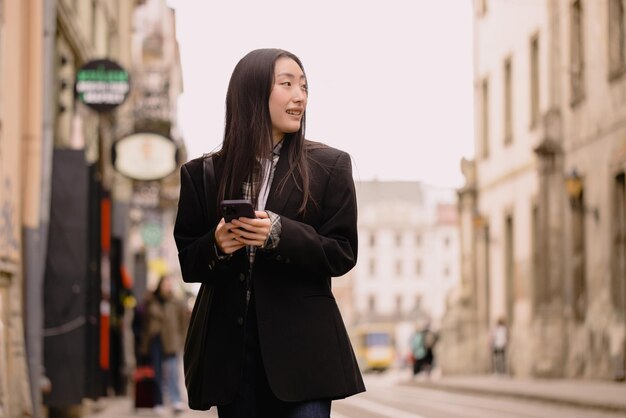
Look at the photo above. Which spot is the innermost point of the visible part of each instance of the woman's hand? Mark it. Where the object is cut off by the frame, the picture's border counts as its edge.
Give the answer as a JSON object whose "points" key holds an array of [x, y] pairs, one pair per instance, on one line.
{"points": [[225, 240], [234, 235], [252, 231]]}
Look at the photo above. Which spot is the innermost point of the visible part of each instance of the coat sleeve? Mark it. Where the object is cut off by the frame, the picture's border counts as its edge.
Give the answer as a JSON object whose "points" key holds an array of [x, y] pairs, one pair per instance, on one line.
{"points": [[331, 250], [194, 235]]}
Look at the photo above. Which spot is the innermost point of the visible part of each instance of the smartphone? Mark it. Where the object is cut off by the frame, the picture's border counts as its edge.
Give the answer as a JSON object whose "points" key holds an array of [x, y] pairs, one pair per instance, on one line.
{"points": [[239, 208]]}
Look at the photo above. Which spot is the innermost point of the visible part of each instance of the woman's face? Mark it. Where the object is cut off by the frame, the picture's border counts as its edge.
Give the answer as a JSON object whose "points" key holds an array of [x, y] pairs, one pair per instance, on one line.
{"points": [[287, 99]]}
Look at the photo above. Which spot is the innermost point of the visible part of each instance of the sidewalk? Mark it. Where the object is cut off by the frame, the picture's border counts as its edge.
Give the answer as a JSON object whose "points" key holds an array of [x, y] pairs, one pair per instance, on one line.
{"points": [[122, 407], [603, 395]]}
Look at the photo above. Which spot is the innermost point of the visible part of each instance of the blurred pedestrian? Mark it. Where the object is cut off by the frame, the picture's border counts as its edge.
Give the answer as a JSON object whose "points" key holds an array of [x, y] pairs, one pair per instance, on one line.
{"points": [[423, 344], [418, 352], [499, 341], [138, 326], [165, 319], [276, 343]]}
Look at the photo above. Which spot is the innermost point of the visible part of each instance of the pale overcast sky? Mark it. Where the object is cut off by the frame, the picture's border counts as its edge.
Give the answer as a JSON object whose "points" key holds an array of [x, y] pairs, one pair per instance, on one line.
{"points": [[390, 81]]}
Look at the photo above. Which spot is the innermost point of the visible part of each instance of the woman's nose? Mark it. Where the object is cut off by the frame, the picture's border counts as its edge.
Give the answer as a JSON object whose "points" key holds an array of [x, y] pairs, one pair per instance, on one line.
{"points": [[299, 95]]}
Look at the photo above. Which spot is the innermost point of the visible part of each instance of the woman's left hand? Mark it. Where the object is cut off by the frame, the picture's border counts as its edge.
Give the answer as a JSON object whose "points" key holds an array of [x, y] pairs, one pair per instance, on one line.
{"points": [[252, 231]]}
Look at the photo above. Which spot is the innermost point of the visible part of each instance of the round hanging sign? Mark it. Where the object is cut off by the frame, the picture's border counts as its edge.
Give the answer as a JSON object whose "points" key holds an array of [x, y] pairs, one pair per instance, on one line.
{"points": [[145, 156], [102, 85]]}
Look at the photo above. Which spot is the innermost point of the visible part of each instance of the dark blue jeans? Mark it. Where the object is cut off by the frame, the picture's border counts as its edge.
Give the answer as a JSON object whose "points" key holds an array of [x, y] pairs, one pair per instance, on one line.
{"points": [[255, 398], [156, 359]]}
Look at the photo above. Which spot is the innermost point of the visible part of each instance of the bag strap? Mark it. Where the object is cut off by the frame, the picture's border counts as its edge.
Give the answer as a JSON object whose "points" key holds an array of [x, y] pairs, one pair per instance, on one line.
{"points": [[209, 173]]}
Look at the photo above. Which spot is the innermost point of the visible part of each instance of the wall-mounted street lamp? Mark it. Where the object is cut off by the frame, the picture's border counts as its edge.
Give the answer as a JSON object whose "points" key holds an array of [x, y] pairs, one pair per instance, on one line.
{"points": [[478, 220], [574, 185]]}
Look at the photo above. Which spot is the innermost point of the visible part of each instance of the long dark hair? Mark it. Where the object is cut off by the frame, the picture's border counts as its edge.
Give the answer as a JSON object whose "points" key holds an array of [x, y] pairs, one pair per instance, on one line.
{"points": [[248, 128]]}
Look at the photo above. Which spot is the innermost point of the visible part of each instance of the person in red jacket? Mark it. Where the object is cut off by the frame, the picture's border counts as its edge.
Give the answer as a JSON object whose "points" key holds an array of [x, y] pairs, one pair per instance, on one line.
{"points": [[276, 343]]}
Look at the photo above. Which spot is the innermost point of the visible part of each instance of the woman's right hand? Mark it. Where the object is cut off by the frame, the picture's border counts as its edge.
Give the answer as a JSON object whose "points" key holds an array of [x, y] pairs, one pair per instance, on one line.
{"points": [[225, 240]]}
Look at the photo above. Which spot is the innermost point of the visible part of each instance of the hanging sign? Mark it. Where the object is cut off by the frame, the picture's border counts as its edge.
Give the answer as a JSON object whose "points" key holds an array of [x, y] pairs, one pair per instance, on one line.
{"points": [[152, 234], [102, 85], [145, 156]]}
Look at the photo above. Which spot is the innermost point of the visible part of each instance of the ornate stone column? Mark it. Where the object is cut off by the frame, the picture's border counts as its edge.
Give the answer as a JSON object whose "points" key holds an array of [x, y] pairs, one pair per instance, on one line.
{"points": [[549, 323], [463, 344]]}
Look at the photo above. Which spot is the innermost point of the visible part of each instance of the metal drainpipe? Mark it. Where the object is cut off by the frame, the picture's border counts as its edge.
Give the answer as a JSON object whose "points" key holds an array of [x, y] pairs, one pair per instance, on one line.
{"points": [[36, 239]]}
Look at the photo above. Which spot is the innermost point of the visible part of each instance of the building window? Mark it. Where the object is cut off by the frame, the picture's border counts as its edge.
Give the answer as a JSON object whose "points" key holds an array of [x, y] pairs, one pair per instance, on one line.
{"points": [[618, 282], [617, 47], [577, 57], [398, 239], [484, 125], [372, 240], [372, 267], [417, 307], [579, 285], [534, 81], [418, 267], [398, 268], [446, 242], [371, 303], [486, 262], [446, 271], [418, 240], [508, 101], [398, 304], [539, 286], [509, 267]]}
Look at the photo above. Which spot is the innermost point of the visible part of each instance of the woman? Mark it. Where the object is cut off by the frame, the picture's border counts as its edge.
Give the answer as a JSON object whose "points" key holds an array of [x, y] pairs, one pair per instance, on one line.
{"points": [[277, 344], [164, 323]]}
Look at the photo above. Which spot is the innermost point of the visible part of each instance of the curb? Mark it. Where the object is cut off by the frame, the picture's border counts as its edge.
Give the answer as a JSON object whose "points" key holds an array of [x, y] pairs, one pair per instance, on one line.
{"points": [[578, 403]]}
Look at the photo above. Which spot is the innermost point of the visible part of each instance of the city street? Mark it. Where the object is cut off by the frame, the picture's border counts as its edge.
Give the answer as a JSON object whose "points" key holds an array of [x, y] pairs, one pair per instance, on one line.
{"points": [[438, 193], [389, 396]]}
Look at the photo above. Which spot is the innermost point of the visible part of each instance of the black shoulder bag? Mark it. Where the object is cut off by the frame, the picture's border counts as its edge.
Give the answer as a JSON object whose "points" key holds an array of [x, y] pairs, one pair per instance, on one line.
{"points": [[194, 354]]}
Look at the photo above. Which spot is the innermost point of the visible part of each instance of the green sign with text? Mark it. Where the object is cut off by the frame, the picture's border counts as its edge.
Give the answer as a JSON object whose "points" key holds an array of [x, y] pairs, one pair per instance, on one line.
{"points": [[102, 85]]}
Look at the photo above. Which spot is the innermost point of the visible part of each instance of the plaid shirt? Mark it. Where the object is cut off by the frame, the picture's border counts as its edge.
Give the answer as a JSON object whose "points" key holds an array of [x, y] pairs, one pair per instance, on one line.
{"points": [[274, 236]]}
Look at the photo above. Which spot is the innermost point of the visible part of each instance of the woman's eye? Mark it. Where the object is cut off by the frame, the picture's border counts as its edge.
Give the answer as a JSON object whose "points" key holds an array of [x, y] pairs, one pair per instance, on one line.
{"points": [[305, 88], [286, 83]]}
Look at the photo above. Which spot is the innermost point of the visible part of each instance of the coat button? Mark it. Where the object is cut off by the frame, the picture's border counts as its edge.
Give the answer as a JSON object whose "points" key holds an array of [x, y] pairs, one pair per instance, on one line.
{"points": [[242, 277], [279, 257], [240, 320]]}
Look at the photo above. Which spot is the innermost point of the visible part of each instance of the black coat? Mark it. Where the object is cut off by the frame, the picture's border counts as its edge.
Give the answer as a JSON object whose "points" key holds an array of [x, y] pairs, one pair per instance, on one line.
{"points": [[304, 344]]}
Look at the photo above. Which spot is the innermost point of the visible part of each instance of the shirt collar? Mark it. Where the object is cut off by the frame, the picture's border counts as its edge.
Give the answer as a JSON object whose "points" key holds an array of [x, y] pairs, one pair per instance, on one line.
{"points": [[277, 148]]}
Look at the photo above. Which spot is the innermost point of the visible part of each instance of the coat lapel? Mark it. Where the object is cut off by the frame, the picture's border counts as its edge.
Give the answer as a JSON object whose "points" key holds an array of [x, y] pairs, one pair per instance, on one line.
{"points": [[276, 201]]}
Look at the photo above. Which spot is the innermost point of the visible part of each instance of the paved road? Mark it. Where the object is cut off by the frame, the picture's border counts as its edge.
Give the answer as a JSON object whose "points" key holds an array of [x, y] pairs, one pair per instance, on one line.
{"points": [[386, 397]]}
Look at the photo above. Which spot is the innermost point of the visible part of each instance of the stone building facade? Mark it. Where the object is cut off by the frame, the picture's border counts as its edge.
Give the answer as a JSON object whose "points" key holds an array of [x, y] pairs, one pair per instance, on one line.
{"points": [[20, 131], [42, 46], [543, 219]]}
